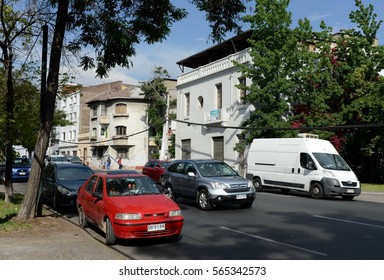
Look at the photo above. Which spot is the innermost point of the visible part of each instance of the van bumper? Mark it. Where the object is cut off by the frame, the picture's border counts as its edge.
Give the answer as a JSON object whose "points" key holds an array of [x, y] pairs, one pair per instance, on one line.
{"points": [[332, 187]]}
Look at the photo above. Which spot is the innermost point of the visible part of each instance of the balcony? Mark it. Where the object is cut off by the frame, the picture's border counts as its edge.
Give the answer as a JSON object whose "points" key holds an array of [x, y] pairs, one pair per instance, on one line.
{"points": [[104, 120]]}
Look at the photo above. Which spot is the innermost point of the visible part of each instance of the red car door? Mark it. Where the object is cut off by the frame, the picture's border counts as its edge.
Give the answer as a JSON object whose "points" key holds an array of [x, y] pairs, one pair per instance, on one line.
{"points": [[85, 197], [98, 210]]}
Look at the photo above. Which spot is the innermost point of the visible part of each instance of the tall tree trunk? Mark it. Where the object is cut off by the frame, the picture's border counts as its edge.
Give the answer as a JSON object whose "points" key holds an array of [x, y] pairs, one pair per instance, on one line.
{"points": [[10, 106], [47, 107]]}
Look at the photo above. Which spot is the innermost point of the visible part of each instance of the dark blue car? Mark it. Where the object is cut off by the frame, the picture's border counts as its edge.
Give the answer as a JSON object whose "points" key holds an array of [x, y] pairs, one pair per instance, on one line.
{"points": [[60, 182], [20, 169]]}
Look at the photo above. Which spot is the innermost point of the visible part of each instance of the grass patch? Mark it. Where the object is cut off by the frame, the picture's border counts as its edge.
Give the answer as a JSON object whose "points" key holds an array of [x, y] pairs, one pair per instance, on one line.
{"points": [[372, 187], [8, 213]]}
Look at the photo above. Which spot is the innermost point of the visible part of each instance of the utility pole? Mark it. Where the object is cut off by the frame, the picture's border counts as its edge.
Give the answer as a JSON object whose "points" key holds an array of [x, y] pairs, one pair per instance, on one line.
{"points": [[164, 139]]}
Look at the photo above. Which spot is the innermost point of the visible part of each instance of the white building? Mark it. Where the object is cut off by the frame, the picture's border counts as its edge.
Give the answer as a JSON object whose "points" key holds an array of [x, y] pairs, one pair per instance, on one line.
{"points": [[67, 135], [209, 105]]}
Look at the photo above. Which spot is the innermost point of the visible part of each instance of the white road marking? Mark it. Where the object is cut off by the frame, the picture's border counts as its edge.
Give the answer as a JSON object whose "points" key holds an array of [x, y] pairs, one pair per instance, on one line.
{"points": [[275, 242], [347, 221]]}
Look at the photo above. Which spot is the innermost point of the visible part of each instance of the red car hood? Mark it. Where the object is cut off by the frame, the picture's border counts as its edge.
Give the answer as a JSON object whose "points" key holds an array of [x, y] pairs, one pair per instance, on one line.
{"points": [[144, 203]]}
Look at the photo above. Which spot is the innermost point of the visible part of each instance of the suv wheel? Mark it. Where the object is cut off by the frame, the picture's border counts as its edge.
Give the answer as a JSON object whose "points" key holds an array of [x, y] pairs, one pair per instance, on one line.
{"points": [[203, 200]]}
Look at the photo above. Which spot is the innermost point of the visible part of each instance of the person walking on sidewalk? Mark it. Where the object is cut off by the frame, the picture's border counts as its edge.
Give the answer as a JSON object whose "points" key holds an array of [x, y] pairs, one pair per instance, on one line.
{"points": [[108, 163], [120, 163]]}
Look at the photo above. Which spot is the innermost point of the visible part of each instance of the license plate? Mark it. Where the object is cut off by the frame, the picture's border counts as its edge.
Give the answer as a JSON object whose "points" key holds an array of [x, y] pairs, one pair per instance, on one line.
{"points": [[156, 227], [241, 196], [350, 191], [22, 173]]}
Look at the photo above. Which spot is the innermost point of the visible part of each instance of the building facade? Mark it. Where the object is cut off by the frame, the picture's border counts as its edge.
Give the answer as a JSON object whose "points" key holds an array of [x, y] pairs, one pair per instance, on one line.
{"points": [[118, 127], [210, 107]]}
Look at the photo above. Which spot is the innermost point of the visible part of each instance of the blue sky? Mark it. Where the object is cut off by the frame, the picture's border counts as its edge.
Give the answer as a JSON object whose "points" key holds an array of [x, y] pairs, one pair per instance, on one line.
{"points": [[191, 36]]}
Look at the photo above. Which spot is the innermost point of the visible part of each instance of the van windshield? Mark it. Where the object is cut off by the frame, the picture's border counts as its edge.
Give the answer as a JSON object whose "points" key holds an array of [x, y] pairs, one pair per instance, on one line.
{"points": [[331, 161]]}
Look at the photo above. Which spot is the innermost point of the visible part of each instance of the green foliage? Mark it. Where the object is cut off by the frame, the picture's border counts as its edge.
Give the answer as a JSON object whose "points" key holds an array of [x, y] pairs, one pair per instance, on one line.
{"points": [[303, 80], [155, 94], [223, 15]]}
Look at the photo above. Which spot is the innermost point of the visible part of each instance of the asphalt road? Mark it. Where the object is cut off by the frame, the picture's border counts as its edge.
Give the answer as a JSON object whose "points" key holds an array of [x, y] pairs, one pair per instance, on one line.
{"points": [[277, 227]]}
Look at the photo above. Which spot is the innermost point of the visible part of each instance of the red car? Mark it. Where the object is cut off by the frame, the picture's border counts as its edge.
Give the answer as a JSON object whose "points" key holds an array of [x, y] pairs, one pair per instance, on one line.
{"points": [[155, 168], [128, 206]]}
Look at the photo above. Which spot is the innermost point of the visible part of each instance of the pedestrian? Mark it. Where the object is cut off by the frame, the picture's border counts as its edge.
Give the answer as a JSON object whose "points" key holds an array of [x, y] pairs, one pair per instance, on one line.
{"points": [[108, 163], [120, 163]]}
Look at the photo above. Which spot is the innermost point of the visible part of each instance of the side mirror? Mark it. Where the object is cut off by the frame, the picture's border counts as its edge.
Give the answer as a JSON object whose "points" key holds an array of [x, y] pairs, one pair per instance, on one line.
{"points": [[97, 195], [191, 174]]}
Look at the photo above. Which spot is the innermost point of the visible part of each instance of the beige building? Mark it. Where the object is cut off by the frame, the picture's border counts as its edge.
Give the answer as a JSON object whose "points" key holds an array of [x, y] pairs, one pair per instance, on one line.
{"points": [[117, 127]]}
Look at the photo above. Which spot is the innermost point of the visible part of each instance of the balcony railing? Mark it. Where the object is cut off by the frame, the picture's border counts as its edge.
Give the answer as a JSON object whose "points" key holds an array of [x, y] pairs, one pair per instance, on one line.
{"points": [[104, 120], [215, 67]]}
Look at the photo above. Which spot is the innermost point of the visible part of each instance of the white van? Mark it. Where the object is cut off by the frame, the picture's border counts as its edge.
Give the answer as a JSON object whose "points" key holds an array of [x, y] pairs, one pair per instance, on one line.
{"points": [[304, 163]]}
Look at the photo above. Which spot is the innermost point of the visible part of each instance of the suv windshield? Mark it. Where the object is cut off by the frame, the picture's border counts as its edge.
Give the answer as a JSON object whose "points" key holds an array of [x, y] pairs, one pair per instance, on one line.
{"points": [[215, 169], [331, 161]]}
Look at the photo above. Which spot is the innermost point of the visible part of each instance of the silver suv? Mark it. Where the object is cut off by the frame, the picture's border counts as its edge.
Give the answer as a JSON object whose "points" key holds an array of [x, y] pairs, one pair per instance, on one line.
{"points": [[209, 182]]}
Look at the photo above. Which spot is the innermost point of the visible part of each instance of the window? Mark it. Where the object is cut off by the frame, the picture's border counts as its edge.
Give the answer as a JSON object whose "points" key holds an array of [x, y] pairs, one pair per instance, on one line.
{"points": [[102, 131], [103, 110], [242, 90], [200, 102], [122, 153], [121, 130], [94, 111], [63, 136], [121, 108], [187, 104], [94, 133], [219, 96]]}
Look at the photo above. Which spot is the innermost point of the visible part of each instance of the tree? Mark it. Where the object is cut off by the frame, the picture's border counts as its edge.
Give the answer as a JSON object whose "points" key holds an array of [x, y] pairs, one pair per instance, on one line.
{"points": [[112, 29], [306, 81], [15, 29], [155, 93], [273, 50]]}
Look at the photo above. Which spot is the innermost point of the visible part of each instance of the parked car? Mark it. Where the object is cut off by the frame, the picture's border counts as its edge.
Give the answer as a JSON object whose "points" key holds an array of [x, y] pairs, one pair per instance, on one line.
{"points": [[60, 183], [121, 171], [128, 206], [155, 168], [20, 169], [209, 182]]}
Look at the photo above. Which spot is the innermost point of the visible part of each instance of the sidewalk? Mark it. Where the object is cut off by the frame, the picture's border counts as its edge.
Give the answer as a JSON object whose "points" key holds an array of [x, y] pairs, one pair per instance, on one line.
{"points": [[52, 237]]}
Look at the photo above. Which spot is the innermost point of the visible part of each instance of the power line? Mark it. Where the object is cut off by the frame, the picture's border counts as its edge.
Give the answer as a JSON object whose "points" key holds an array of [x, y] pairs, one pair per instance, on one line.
{"points": [[329, 127]]}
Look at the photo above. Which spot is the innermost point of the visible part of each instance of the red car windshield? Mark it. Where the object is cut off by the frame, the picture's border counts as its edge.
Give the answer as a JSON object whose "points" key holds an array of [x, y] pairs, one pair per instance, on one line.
{"points": [[131, 186]]}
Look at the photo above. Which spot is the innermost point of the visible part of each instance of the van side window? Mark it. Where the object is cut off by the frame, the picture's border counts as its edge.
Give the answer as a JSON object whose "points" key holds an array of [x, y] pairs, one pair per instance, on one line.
{"points": [[307, 162]]}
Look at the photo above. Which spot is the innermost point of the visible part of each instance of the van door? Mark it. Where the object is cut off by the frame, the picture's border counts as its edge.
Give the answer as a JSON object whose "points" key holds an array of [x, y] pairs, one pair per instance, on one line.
{"points": [[305, 171]]}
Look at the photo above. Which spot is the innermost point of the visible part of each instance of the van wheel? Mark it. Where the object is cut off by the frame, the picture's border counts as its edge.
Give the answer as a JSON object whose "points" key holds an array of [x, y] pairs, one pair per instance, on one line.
{"points": [[257, 184], [203, 200], [316, 191]]}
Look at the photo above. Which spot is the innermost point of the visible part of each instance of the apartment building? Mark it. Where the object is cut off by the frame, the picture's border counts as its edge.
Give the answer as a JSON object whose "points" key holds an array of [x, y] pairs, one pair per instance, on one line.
{"points": [[118, 127]]}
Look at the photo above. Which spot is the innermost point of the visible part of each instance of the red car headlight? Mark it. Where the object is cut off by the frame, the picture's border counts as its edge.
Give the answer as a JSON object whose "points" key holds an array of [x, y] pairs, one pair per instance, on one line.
{"points": [[127, 216]]}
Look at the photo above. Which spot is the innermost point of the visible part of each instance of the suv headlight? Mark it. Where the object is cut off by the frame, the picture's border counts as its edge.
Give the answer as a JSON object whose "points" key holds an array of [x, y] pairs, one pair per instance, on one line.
{"points": [[218, 185]]}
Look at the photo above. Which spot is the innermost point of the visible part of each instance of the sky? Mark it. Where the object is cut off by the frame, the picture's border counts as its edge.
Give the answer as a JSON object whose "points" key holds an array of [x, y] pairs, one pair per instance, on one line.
{"points": [[190, 36]]}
